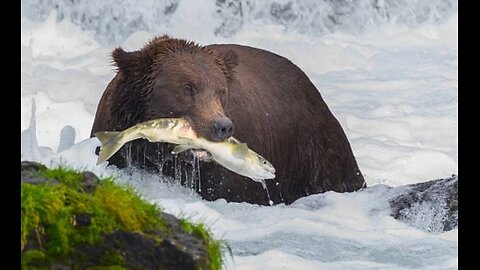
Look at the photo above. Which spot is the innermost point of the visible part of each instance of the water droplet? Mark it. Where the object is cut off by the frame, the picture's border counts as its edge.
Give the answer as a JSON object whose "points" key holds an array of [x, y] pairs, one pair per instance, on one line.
{"points": [[264, 185]]}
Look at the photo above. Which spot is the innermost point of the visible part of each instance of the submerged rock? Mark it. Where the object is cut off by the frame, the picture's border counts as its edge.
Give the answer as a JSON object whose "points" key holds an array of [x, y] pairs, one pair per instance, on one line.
{"points": [[74, 220], [431, 206]]}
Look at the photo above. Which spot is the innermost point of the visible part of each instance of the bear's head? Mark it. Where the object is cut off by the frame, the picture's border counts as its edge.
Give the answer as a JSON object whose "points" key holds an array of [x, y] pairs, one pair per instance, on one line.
{"points": [[175, 78]]}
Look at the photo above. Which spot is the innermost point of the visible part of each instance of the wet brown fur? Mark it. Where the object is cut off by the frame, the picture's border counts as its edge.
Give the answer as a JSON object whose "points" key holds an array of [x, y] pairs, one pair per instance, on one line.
{"points": [[275, 108]]}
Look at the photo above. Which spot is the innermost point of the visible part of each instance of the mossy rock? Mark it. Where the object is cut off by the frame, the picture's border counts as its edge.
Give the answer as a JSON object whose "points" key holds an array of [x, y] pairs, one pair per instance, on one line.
{"points": [[74, 220]]}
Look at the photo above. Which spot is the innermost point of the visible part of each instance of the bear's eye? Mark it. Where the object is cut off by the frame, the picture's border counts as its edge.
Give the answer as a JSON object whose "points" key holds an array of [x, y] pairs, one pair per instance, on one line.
{"points": [[188, 89], [223, 91]]}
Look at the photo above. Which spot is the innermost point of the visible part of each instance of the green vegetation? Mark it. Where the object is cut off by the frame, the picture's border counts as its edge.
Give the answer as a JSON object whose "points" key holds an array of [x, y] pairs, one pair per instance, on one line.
{"points": [[59, 215], [214, 247]]}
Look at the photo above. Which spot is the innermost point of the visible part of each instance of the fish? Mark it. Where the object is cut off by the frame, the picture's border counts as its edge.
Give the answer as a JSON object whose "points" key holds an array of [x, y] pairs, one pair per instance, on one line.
{"points": [[230, 153], [235, 156]]}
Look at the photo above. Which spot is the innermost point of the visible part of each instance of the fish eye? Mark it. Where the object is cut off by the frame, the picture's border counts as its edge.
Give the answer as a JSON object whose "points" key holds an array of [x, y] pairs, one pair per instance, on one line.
{"points": [[265, 162]]}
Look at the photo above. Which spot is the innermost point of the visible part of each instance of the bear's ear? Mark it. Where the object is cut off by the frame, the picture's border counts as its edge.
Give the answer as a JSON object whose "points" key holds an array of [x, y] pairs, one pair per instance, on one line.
{"points": [[229, 61], [125, 61]]}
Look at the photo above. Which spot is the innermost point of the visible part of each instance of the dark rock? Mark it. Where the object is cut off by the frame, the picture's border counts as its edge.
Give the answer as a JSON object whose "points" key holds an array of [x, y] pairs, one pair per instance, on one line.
{"points": [[185, 241], [431, 206], [31, 166], [89, 181], [29, 173], [134, 251], [82, 220]]}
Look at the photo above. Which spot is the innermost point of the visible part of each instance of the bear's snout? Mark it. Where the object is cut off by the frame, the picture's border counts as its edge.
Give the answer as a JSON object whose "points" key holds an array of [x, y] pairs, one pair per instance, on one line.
{"points": [[222, 128]]}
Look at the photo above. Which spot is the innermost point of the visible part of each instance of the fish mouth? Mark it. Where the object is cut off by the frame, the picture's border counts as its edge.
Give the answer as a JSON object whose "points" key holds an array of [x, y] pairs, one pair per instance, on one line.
{"points": [[270, 172], [267, 173]]}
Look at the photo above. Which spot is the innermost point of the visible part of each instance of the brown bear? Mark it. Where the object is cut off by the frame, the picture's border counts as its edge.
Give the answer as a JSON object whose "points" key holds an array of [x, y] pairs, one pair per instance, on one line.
{"points": [[259, 97]]}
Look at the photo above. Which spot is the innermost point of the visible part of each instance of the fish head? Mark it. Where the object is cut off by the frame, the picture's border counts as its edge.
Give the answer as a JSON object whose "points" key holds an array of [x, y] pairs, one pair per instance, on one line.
{"points": [[260, 168]]}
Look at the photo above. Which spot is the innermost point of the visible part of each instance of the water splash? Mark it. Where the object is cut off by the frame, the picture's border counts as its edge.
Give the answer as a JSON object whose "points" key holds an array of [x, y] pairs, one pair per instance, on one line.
{"points": [[67, 138], [29, 145], [30, 150], [128, 154], [264, 185], [145, 155], [194, 174], [113, 21], [277, 184], [197, 168], [177, 169]]}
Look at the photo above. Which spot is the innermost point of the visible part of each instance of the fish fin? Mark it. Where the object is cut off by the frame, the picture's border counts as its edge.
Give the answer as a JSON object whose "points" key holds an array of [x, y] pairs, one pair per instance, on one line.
{"points": [[185, 138], [180, 148], [240, 150], [105, 136], [111, 143], [234, 140], [143, 135]]}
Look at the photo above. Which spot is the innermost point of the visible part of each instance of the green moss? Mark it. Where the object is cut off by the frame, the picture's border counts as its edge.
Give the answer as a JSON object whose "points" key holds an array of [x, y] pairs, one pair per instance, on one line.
{"points": [[50, 228], [34, 259], [127, 207], [67, 176], [214, 247], [39, 206], [50, 211]]}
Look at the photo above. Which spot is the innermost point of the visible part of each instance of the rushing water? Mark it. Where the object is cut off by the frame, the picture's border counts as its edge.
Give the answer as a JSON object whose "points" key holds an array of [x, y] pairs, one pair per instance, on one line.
{"points": [[113, 21], [388, 70]]}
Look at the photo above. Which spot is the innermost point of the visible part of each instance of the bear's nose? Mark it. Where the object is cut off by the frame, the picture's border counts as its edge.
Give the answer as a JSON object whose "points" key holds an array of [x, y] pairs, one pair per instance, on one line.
{"points": [[222, 128]]}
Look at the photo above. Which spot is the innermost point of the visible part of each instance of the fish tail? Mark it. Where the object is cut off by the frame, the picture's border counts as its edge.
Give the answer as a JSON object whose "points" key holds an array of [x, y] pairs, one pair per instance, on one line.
{"points": [[111, 142]]}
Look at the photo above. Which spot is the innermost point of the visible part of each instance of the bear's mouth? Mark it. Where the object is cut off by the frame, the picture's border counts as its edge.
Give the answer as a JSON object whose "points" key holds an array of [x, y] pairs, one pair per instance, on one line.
{"points": [[200, 154]]}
